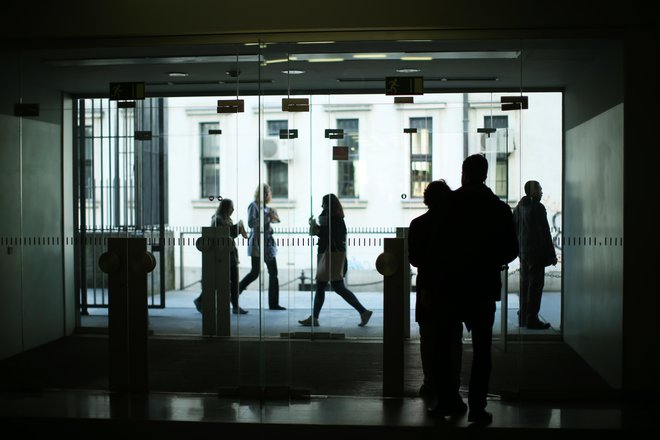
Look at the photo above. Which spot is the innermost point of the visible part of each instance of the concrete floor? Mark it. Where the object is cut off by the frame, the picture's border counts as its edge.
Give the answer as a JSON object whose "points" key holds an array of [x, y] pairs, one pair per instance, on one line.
{"points": [[103, 414]]}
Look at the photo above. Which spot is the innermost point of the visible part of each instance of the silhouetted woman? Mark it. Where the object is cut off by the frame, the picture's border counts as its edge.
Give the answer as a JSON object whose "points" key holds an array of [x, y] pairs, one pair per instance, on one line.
{"points": [[331, 231]]}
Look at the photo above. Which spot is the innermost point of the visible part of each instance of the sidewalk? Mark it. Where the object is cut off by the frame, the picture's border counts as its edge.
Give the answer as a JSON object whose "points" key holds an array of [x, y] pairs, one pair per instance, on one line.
{"points": [[180, 317]]}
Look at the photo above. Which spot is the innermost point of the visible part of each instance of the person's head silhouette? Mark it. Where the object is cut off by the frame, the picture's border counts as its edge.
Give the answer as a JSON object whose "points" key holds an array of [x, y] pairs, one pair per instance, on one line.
{"points": [[436, 192], [475, 169], [225, 208], [533, 189]]}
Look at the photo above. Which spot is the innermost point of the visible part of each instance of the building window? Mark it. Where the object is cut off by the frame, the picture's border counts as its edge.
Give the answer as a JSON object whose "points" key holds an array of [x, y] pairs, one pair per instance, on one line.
{"points": [[347, 179], [421, 148], [501, 183], [277, 165], [499, 121], [89, 162], [277, 172], [273, 127], [210, 159]]}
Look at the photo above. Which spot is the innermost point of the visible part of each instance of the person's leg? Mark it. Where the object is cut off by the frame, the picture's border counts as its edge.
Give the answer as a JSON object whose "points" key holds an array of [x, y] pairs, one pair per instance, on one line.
{"points": [[523, 294], [319, 298], [455, 350], [251, 276], [426, 353], [536, 280], [482, 317], [233, 284], [448, 354], [340, 288], [273, 285]]}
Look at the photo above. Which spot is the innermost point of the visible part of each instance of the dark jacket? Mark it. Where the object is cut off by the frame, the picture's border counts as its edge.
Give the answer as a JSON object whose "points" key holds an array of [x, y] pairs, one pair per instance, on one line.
{"points": [[332, 231], [429, 253], [218, 220], [531, 223], [483, 242]]}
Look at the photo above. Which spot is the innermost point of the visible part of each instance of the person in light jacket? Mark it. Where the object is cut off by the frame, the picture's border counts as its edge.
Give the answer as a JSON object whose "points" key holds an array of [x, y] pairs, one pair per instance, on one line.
{"points": [[262, 197]]}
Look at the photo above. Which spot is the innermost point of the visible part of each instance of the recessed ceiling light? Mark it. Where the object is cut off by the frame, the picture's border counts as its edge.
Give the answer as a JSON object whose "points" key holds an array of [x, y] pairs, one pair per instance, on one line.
{"points": [[369, 55], [277, 60], [326, 60], [261, 45], [408, 70], [177, 74], [293, 72], [415, 58], [405, 56]]}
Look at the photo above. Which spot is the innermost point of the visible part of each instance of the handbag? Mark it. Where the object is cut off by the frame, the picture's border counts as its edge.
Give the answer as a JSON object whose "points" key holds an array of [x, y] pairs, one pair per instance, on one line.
{"points": [[330, 265]]}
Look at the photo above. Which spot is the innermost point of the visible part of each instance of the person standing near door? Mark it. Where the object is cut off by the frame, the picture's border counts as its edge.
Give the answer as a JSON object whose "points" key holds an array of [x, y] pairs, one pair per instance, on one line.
{"points": [[484, 241], [262, 197], [537, 251], [440, 326]]}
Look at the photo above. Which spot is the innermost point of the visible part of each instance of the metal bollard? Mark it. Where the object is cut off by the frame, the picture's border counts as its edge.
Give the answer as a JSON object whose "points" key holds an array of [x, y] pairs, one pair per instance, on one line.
{"points": [[390, 264], [215, 244], [127, 263]]}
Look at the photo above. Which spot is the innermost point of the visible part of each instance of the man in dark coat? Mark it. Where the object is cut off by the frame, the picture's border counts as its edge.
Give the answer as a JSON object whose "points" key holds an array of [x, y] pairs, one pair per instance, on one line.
{"points": [[485, 242], [537, 251]]}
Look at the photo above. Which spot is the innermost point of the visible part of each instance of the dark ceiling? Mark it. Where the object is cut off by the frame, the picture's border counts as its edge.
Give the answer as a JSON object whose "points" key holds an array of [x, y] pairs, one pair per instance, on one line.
{"points": [[230, 70]]}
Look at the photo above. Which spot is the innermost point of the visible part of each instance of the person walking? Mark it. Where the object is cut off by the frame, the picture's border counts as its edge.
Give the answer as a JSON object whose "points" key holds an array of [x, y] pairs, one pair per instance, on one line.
{"points": [[331, 258], [262, 197]]}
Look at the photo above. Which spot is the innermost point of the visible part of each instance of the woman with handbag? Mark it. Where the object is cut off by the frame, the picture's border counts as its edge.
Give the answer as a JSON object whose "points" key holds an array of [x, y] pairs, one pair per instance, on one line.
{"points": [[331, 260]]}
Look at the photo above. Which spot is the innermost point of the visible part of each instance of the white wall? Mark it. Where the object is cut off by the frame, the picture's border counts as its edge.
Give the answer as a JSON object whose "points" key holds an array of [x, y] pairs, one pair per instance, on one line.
{"points": [[593, 281], [383, 166]]}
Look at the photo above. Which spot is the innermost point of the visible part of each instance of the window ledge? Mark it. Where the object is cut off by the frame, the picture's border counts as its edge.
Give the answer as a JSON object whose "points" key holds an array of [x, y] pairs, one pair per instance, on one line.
{"points": [[413, 204], [353, 203], [204, 203], [282, 204]]}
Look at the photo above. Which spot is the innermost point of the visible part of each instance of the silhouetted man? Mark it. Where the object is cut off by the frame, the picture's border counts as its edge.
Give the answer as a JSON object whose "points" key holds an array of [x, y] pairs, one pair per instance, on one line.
{"points": [[440, 327], [536, 252], [485, 243]]}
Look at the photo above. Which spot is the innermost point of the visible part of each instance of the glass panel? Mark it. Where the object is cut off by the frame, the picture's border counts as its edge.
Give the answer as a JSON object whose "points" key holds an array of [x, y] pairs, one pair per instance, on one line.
{"points": [[230, 155], [156, 170], [421, 157]]}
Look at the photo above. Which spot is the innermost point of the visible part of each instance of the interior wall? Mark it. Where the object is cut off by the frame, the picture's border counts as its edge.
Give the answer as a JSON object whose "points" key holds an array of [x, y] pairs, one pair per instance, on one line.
{"points": [[593, 217], [11, 322], [31, 281], [642, 302]]}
